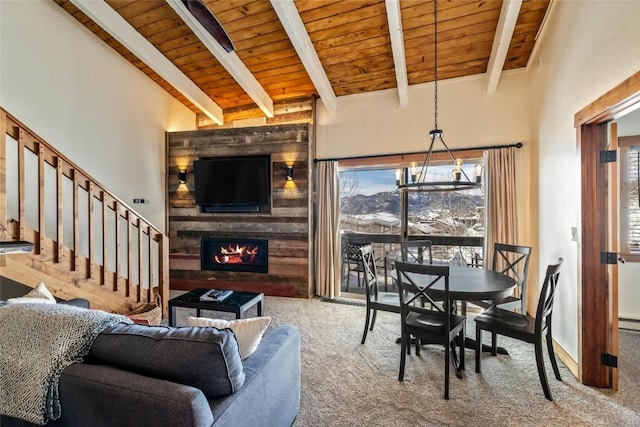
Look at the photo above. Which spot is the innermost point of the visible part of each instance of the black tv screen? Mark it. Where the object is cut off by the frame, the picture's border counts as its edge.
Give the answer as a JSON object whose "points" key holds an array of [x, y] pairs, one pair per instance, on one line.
{"points": [[230, 184]]}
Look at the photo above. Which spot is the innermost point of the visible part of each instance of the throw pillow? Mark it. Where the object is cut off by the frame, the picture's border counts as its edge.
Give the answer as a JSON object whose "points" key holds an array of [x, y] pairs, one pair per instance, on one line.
{"points": [[248, 331], [39, 294]]}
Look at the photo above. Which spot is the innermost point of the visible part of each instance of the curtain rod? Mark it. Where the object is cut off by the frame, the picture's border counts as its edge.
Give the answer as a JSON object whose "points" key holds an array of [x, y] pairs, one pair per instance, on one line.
{"points": [[454, 150]]}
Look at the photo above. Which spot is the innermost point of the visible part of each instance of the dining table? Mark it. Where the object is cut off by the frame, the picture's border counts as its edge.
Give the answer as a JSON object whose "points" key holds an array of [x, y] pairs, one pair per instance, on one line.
{"points": [[468, 284]]}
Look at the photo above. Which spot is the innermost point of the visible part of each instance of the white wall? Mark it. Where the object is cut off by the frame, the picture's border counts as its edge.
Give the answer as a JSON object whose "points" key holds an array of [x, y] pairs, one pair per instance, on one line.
{"points": [[587, 48], [374, 123], [92, 105]]}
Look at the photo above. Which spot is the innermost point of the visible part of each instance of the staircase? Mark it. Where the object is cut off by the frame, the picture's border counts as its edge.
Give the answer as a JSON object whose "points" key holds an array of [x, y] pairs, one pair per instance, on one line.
{"points": [[87, 242]]}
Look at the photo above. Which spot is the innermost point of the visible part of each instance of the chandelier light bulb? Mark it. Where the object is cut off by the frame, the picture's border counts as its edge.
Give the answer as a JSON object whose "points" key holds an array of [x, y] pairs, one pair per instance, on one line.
{"points": [[478, 171], [414, 171]]}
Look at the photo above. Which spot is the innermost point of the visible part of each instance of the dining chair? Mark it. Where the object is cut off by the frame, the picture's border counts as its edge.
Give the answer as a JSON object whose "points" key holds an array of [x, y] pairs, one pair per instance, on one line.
{"points": [[416, 251], [437, 323], [525, 328], [513, 261], [376, 300]]}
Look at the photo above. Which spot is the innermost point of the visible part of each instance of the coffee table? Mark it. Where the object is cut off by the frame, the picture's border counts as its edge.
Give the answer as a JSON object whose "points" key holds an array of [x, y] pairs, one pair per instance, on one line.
{"points": [[238, 303]]}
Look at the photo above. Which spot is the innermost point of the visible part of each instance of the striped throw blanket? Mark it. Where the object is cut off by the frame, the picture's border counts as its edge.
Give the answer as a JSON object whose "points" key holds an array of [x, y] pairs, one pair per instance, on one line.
{"points": [[37, 342]]}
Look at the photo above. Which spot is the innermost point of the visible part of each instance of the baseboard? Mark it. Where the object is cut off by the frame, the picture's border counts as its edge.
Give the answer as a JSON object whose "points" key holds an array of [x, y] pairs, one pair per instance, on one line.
{"points": [[569, 362]]}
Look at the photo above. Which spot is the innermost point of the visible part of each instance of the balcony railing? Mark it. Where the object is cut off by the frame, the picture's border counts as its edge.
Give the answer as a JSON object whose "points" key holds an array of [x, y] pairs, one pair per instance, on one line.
{"points": [[453, 250]]}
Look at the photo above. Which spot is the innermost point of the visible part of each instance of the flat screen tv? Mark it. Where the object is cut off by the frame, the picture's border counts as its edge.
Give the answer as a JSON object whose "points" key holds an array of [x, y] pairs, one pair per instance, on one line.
{"points": [[233, 184]]}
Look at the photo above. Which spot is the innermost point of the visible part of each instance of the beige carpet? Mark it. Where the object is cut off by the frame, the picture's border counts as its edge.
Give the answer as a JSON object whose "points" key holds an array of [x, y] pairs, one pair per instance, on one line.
{"points": [[348, 384]]}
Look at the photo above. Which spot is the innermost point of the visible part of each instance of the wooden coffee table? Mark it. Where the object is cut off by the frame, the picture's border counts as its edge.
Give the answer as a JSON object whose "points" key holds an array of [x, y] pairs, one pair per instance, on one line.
{"points": [[238, 303]]}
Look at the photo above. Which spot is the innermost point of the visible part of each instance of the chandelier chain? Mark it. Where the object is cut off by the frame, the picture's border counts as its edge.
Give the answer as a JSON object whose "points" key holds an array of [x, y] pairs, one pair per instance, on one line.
{"points": [[420, 178], [435, 62]]}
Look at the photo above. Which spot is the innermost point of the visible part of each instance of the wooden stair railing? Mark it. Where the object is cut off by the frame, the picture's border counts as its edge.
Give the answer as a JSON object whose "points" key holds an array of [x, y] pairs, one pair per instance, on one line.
{"points": [[125, 257]]}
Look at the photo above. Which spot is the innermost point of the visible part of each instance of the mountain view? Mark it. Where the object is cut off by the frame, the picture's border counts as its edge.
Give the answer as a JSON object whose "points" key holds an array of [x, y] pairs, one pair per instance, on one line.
{"points": [[420, 203]]}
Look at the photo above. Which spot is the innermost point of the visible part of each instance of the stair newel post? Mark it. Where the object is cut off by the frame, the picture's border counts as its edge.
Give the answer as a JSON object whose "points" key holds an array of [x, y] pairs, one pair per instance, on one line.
{"points": [[163, 271]]}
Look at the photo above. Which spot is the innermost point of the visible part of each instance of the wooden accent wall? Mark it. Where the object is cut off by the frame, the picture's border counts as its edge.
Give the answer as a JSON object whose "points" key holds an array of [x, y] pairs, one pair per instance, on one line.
{"points": [[287, 227], [288, 111]]}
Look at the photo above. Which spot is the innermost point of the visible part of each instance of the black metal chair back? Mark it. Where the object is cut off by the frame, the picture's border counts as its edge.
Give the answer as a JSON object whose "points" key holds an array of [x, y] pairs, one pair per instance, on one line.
{"points": [[352, 259]]}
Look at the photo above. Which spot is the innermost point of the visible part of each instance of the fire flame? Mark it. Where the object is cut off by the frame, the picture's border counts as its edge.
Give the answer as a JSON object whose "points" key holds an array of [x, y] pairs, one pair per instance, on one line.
{"points": [[236, 255]]}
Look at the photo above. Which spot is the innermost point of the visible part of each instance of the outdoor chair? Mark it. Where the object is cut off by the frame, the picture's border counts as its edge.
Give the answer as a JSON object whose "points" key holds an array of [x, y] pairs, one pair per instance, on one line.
{"points": [[352, 261]]}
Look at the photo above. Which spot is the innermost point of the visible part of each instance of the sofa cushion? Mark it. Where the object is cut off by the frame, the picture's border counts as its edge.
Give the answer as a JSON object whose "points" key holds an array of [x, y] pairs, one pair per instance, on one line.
{"points": [[205, 358]]}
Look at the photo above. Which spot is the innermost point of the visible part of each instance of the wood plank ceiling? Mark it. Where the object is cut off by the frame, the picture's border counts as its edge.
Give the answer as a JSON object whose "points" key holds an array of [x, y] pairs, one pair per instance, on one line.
{"points": [[351, 39]]}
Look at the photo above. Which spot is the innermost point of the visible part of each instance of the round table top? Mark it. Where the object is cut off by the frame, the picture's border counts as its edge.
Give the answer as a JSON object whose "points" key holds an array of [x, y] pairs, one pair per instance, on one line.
{"points": [[472, 284]]}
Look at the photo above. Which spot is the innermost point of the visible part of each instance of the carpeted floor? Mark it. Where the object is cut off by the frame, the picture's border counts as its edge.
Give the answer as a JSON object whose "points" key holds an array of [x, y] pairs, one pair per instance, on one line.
{"points": [[348, 384]]}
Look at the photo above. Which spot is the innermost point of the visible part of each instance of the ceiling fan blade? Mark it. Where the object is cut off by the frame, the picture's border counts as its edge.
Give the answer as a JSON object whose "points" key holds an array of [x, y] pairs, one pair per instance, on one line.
{"points": [[202, 13]]}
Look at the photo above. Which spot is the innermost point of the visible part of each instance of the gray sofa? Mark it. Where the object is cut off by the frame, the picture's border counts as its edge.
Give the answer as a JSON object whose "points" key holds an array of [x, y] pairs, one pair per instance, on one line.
{"points": [[125, 380]]}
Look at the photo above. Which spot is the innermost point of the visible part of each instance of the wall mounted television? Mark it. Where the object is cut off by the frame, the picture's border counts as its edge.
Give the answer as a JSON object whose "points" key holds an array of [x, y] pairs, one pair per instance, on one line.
{"points": [[233, 184]]}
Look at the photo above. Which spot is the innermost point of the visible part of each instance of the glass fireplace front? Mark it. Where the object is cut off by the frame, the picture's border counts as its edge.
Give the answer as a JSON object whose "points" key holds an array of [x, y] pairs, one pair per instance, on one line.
{"points": [[234, 254]]}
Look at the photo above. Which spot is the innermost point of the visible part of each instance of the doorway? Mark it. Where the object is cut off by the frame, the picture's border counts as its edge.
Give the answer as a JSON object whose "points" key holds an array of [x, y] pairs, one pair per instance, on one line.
{"points": [[599, 287]]}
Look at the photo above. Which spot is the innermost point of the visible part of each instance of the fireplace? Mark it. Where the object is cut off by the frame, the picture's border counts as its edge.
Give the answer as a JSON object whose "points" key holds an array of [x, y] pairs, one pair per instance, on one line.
{"points": [[234, 254]]}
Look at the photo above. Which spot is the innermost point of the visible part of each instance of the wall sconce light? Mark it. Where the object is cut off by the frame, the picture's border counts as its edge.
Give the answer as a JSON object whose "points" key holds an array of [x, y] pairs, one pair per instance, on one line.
{"points": [[289, 171], [182, 176]]}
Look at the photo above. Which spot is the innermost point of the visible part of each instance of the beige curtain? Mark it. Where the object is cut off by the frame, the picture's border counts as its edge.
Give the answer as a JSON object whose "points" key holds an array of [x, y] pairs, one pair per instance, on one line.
{"points": [[327, 250], [501, 200]]}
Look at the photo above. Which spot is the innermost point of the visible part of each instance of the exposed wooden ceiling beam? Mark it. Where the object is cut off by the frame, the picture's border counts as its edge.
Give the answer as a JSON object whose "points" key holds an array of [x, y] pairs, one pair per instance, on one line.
{"points": [[397, 46], [102, 14], [229, 60], [504, 33], [293, 25]]}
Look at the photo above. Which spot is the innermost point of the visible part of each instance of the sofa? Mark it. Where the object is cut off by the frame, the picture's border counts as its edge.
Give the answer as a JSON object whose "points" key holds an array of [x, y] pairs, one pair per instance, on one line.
{"points": [[137, 375]]}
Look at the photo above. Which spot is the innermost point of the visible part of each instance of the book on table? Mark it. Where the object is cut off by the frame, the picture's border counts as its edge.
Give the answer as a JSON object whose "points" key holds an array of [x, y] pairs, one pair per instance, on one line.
{"points": [[215, 295]]}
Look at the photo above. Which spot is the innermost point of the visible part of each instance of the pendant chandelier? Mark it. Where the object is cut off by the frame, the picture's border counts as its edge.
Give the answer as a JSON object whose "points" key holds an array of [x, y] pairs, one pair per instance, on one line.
{"points": [[419, 179]]}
